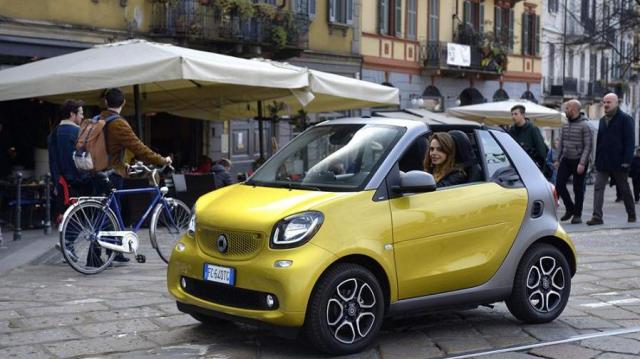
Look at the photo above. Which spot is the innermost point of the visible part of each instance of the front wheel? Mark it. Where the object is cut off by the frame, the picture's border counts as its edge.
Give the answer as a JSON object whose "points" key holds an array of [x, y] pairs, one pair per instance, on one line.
{"points": [[79, 237], [542, 285], [345, 311], [168, 224]]}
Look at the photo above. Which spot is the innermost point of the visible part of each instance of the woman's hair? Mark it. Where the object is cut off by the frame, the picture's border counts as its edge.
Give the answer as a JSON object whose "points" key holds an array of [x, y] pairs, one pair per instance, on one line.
{"points": [[449, 148]]}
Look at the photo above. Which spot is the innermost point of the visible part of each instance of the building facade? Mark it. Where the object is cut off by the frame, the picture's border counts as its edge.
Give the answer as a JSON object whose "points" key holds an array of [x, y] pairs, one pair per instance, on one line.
{"points": [[451, 53], [590, 48]]}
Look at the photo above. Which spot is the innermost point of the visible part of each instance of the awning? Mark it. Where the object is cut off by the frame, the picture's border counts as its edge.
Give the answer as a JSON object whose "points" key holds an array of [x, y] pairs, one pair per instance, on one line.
{"points": [[499, 113], [186, 82]]}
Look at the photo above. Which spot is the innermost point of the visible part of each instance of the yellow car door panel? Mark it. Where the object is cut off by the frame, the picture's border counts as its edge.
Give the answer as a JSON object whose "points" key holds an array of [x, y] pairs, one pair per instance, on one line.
{"points": [[453, 238]]}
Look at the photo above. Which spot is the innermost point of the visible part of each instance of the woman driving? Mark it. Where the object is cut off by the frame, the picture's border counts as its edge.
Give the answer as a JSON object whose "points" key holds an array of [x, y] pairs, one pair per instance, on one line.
{"points": [[440, 161]]}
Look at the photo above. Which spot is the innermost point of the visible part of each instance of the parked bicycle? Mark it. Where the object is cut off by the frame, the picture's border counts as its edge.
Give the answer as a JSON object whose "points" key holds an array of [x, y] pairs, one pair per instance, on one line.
{"points": [[92, 230]]}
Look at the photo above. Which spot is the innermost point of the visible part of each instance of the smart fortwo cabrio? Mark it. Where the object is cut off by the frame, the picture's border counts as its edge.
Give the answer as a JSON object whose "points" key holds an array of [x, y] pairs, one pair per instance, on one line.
{"points": [[342, 227]]}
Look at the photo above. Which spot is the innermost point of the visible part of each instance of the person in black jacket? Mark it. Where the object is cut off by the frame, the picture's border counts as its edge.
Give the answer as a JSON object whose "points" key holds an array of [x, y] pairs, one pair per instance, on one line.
{"points": [[614, 152], [440, 161], [528, 136]]}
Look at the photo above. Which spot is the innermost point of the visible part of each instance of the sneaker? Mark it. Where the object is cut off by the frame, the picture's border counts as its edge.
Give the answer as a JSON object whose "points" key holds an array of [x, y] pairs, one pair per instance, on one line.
{"points": [[120, 258], [566, 217], [576, 220], [70, 252], [595, 221], [631, 219]]}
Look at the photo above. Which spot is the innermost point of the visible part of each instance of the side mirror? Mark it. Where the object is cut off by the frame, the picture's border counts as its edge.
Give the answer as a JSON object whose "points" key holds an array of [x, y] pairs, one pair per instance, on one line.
{"points": [[415, 182]]}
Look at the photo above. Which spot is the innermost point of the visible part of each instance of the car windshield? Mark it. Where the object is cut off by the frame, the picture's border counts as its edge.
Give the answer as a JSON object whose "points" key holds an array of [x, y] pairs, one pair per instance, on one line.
{"points": [[339, 157]]}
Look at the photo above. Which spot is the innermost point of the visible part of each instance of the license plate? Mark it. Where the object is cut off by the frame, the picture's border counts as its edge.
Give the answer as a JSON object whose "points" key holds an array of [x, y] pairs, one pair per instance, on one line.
{"points": [[214, 273]]}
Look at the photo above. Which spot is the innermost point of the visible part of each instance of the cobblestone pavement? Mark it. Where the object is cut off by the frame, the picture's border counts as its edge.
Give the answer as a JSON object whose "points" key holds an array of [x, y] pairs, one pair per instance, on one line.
{"points": [[49, 311]]}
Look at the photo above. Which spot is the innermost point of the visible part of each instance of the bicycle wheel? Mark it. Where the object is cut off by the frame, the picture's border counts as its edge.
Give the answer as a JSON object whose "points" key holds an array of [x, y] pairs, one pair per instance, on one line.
{"points": [[79, 234], [165, 231]]}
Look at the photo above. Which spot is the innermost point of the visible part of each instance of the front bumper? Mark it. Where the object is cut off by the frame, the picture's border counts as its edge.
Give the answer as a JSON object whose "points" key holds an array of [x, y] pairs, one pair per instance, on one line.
{"points": [[255, 278]]}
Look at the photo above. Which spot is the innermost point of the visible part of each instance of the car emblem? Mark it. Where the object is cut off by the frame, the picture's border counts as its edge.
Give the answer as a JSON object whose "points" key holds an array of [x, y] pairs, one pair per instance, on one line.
{"points": [[222, 243]]}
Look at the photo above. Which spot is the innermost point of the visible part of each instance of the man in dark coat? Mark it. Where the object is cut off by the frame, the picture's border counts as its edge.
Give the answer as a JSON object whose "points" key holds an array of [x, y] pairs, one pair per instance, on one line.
{"points": [[528, 136], [614, 152]]}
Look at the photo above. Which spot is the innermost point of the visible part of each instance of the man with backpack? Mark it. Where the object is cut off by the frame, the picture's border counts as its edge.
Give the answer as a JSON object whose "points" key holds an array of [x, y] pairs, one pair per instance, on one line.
{"points": [[119, 146], [68, 181]]}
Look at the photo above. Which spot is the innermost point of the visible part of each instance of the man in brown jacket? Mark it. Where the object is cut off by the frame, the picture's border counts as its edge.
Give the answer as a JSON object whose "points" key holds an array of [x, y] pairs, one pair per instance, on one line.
{"points": [[123, 145]]}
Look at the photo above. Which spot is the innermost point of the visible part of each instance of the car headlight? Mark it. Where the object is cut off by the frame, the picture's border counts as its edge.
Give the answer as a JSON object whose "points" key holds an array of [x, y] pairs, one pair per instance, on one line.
{"points": [[296, 229], [191, 231]]}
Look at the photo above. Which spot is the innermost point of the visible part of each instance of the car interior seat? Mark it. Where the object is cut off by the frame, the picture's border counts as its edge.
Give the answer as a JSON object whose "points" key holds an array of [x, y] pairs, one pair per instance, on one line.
{"points": [[465, 155]]}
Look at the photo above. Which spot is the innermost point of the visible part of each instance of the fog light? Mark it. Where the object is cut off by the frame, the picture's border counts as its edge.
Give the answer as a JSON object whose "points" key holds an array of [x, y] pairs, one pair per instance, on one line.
{"points": [[270, 301], [180, 247], [283, 264], [183, 283]]}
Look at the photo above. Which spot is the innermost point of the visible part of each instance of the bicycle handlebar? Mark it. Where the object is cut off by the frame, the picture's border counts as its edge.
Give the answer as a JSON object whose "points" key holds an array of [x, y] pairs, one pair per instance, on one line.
{"points": [[139, 168]]}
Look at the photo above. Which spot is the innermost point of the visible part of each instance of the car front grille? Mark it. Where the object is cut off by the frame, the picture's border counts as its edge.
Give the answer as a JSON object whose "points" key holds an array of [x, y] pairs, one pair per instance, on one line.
{"points": [[240, 245], [227, 295]]}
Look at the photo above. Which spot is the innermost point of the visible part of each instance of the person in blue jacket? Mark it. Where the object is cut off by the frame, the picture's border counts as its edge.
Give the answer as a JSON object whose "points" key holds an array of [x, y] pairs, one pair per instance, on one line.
{"points": [[614, 152], [68, 181]]}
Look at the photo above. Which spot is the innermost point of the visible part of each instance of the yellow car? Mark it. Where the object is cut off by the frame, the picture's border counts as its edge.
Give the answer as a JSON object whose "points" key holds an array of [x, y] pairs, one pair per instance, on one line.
{"points": [[342, 227]]}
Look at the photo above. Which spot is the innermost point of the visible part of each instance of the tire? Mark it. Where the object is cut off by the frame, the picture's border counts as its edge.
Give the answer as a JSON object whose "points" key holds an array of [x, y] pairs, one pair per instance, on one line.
{"points": [[162, 232], [345, 311], [542, 285], [78, 237]]}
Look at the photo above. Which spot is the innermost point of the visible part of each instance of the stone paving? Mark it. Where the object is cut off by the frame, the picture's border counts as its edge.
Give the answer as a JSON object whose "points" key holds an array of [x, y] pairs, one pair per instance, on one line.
{"points": [[49, 311]]}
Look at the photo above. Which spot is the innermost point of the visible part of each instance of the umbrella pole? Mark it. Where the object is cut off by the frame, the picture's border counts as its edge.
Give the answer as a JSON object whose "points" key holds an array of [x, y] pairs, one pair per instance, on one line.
{"points": [[138, 114], [260, 130]]}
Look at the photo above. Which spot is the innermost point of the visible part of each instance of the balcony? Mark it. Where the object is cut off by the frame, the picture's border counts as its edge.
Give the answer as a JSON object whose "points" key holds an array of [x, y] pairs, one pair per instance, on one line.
{"points": [[209, 23], [434, 58]]}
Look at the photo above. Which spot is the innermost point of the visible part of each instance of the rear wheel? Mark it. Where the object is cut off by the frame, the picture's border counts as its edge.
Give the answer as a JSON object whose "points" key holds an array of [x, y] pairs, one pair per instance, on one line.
{"points": [[168, 225], [79, 237], [345, 311], [542, 285]]}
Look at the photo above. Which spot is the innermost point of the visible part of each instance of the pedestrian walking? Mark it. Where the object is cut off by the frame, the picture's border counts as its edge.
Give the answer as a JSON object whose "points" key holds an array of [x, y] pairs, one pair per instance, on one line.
{"points": [[528, 136], [68, 181], [634, 173], [552, 158], [614, 152], [576, 141]]}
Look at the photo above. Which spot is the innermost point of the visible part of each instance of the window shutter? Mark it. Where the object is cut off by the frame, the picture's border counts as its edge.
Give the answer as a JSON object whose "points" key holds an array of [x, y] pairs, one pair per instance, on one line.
{"points": [[537, 37], [497, 23], [481, 27], [525, 34], [511, 17], [466, 17], [312, 9], [398, 17], [349, 12], [383, 17], [332, 10]]}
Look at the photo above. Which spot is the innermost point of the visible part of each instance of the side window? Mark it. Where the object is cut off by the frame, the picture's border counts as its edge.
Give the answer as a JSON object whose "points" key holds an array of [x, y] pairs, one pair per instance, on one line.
{"points": [[493, 157]]}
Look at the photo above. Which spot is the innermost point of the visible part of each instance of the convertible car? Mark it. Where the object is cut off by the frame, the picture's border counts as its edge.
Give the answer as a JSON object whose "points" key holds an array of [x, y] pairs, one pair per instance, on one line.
{"points": [[343, 227]]}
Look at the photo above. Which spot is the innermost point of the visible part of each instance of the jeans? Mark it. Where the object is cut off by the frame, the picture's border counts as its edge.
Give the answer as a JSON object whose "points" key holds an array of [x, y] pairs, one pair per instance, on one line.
{"points": [[602, 178], [568, 168]]}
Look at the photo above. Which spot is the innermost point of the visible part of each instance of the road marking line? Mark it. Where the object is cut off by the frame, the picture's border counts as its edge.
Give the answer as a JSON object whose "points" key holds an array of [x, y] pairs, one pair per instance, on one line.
{"points": [[611, 303], [555, 342]]}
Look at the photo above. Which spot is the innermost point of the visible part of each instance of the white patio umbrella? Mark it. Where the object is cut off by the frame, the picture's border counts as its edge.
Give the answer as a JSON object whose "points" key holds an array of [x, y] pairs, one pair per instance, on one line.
{"points": [[186, 82], [499, 113]]}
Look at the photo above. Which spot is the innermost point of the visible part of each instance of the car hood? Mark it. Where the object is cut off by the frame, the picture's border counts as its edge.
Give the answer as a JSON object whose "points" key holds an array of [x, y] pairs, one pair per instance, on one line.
{"points": [[255, 208]]}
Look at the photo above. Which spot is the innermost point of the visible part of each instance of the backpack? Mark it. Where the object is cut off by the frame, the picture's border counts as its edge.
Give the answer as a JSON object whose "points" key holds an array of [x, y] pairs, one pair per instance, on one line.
{"points": [[91, 145]]}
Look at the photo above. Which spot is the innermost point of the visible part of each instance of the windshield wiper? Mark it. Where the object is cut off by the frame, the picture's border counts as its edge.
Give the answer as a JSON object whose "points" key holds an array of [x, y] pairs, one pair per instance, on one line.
{"points": [[295, 185]]}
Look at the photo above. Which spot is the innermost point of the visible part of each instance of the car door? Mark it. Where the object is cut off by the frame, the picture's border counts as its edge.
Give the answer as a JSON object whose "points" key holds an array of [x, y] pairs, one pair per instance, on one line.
{"points": [[457, 237]]}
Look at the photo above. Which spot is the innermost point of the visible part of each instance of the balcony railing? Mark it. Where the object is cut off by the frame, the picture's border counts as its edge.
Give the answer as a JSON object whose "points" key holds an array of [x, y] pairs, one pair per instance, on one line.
{"points": [[434, 56], [199, 20]]}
